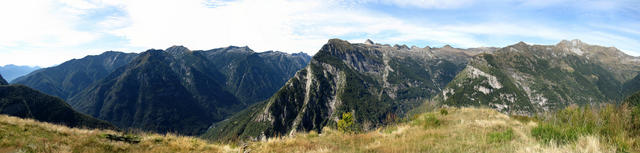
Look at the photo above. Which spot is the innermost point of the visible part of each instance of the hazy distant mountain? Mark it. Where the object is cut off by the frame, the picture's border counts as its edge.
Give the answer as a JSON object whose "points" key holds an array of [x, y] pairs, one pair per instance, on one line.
{"points": [[373, 81], [11, 71], [69, 78], [184, 91], [22, 101], [525, 79]]}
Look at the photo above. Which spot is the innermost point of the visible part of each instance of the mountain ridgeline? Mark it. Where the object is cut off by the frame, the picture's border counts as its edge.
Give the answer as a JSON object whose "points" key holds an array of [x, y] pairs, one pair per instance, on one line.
{"points": [[71, 77], [375, 82], [234, 93], [528, 79], [183, 91], [22, 101]]}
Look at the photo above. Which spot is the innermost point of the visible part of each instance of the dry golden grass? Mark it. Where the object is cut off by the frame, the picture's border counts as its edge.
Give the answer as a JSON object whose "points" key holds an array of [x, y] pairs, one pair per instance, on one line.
{"points": [[461, 130], [27, 135]]}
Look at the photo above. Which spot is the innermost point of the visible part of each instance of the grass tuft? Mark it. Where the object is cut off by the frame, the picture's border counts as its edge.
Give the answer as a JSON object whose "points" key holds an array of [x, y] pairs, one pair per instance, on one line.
{"points": [[500, 137]]}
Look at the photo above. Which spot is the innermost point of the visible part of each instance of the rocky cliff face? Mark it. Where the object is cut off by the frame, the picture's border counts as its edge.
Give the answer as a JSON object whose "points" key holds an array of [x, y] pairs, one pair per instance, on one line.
{"points": [[69, 78], [184, 91], [526, 79], [373, 81]]}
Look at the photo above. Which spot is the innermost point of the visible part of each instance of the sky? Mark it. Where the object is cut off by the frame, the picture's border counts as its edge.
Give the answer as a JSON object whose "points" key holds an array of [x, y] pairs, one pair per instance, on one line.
{"points": [[48, 32]]}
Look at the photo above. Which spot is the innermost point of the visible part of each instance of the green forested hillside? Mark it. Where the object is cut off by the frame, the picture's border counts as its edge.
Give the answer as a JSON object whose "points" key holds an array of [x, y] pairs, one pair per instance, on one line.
{"points": [[183, 91]]}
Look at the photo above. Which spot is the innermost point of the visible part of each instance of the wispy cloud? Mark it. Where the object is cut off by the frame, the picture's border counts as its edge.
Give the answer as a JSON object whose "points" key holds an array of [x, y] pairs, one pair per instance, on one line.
{"points": [[74, 28]]}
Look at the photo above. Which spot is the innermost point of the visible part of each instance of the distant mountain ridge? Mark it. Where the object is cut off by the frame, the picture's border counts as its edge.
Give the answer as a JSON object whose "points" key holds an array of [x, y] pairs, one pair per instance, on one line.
{"points": [[11, 71], [184, 91], [69, 78]]}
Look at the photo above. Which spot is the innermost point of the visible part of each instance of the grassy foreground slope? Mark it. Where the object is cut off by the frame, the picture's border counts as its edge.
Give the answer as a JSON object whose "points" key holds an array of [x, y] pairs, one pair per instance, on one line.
{"points": [[27, 135], [460, 130], [453, 130]]}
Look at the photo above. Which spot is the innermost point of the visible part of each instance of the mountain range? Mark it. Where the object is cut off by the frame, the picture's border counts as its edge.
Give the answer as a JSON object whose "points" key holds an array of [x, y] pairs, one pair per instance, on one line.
{"points": [[373, 81], [528, 79], [234, 93], [377, 83], [174, 90], [69, 78]]}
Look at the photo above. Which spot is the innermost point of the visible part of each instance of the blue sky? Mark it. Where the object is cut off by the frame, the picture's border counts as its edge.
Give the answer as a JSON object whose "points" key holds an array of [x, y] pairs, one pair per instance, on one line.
{"points": [[48, 32]]}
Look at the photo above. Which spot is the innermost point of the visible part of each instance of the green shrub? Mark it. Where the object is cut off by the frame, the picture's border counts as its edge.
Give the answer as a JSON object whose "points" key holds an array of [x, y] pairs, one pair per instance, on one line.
{"points": [[444, 111], [345, 124], [522, 118], [498, 137], [312, 134], [427, 121]]}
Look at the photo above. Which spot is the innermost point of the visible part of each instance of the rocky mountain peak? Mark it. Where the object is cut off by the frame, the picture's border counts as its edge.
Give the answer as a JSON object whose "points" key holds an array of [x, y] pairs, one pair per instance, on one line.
{"points": [[571, 43], [447, 46], [237, 49], [178, 50], [301, 54], [369, 42], [336, 47], [522, 43], [401, 47]]}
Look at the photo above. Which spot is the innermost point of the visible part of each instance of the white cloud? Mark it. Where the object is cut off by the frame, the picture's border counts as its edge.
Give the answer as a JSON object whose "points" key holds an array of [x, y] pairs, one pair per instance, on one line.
{"points": [[31, 22], [292, 26], [32, 29], [427, 4]]}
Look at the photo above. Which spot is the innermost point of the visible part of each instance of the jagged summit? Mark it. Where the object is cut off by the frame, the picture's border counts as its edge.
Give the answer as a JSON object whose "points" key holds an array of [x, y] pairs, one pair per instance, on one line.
{"points": [[574, 42], [300, 54], [177, 48], [369, 42], [236, 49], [522, 43], [178, 51], [400, 47]]}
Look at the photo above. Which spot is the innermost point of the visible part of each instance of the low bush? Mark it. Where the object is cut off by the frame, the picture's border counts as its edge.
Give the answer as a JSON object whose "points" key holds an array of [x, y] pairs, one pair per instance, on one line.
{"points": [[444, 111], [548, 133], [345, 124], [427, 121]]}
